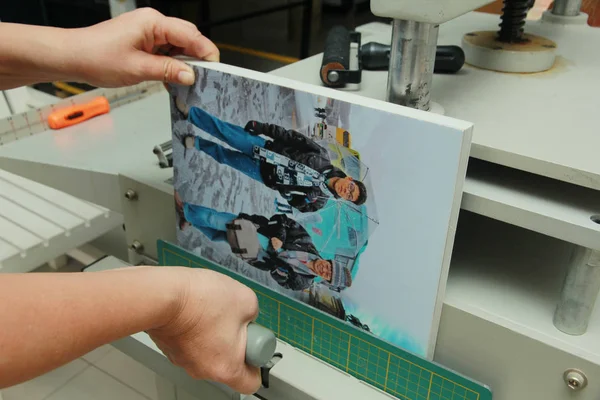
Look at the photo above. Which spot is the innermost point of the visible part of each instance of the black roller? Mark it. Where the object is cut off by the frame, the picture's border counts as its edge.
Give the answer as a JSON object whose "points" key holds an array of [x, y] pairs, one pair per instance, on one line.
{"points": [[448, 59], [336, 55]]}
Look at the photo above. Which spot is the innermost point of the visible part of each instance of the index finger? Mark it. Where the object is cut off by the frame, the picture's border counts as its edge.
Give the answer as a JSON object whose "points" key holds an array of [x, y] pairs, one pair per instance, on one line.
{"points": [[186, 36]]}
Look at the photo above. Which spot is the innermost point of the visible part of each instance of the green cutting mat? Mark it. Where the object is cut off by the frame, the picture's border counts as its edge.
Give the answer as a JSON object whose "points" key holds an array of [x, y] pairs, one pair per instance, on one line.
{"points": [[395, 371]]}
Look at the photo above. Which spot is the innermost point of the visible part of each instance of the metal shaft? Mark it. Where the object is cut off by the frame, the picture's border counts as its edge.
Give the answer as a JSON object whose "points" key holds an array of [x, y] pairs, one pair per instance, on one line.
{"points": [[567, 8], [412, 61], [579, 292]]}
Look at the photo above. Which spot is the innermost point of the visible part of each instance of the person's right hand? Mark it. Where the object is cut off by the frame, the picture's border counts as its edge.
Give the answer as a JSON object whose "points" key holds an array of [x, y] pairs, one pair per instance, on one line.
{"points": [[208, 333]]}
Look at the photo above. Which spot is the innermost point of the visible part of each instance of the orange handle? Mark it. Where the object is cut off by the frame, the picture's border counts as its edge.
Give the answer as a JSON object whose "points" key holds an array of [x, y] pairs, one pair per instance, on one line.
{"points": [[78, 113]]}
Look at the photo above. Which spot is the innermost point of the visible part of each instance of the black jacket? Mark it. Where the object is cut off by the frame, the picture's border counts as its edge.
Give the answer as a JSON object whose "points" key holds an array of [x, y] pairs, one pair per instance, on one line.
{"points": [[294, 237], [301, 149]]}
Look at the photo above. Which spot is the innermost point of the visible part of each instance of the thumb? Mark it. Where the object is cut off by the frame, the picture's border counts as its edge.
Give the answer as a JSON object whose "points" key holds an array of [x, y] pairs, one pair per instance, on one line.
{"points": [[166, 69]]}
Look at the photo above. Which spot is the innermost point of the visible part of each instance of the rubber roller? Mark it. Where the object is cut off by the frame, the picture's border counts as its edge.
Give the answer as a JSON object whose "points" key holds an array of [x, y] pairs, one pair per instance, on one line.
{"points": [[336, 57], [260, 345]]}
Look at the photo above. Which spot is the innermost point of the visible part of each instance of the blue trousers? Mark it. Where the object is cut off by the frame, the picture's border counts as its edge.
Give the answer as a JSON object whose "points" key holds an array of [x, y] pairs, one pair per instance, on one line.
{"points": [[212, 223], [235, 136]]}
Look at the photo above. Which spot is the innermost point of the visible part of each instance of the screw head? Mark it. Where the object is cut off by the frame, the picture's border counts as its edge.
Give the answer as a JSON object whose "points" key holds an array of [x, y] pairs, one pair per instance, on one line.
{"points": [[131, 195], [333, 76], [574, 383], [575, 379]]}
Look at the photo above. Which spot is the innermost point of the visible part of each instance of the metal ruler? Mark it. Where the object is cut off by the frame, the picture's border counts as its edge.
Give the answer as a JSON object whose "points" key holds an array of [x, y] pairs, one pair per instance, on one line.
{"points": [[21, 126], [356, 352]]}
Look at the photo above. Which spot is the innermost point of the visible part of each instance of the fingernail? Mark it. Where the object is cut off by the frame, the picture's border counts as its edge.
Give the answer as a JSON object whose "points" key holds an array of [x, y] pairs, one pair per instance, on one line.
{"points": [[185, 78]]}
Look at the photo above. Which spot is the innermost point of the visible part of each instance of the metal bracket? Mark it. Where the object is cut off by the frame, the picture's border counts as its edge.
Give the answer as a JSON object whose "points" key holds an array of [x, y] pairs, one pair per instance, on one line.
{"points": [[164, 152], [342, 76], [264, 371]]}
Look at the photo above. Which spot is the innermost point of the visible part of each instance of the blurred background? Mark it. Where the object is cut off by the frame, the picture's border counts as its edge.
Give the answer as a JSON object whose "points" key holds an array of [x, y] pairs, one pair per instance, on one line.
{"points": [[255, 34]]}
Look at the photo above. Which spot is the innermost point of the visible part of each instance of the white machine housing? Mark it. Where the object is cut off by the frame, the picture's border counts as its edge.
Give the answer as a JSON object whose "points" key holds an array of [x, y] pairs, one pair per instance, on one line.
{"points": [[428, 11]]}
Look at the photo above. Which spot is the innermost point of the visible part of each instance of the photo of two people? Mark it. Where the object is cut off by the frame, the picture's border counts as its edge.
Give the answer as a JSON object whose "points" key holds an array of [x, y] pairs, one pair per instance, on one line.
{"points": [[288, 162]]}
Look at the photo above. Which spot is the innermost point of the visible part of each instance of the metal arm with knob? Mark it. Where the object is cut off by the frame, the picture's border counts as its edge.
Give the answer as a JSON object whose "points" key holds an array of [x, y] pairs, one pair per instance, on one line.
{"points": [[260, 350]]}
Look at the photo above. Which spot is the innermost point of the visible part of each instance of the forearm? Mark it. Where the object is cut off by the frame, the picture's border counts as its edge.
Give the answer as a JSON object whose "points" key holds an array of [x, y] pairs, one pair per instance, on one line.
{"points": [[50, 319], [31, 54]]}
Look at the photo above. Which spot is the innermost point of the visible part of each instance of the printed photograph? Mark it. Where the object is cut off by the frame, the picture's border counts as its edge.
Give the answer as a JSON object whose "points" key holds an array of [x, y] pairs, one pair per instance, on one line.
{"points": [[283, 187]]}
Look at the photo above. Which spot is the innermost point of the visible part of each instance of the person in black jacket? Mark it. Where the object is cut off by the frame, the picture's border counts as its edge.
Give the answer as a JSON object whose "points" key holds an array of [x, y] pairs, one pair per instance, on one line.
{"points": [[288, 161], [293, 261], [289, 254]]}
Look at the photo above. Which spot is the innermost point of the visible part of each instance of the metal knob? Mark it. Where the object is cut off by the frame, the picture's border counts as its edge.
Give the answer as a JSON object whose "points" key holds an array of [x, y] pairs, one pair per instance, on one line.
{"points": [[137, 246], [260, 346], [575, 379], [131, 195]]}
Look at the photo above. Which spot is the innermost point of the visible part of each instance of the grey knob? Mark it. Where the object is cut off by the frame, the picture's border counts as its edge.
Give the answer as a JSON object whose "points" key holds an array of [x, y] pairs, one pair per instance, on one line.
{"points": [[261, 345]]}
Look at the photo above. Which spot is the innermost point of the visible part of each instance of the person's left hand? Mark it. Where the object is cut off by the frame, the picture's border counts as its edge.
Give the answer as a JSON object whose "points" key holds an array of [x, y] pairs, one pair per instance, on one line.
{"points": [[138, 46]]}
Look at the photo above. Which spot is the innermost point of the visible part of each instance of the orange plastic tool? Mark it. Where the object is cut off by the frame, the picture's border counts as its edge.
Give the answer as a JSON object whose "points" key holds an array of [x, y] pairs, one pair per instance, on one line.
{"points": [[78, 113]]}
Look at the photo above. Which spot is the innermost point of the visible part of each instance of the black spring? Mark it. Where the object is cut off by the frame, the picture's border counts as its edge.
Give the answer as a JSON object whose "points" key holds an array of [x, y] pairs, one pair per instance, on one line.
{"points": [[513, 18]]}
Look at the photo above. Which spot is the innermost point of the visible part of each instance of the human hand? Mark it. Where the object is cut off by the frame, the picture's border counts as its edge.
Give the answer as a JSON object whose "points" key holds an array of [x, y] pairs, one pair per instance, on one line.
{"points": [[207, 335], [138, 46], [276, 243]]}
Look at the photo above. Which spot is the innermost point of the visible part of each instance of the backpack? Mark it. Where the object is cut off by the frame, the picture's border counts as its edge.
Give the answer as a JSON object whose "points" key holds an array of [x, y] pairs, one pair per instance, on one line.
{"points": [[242, 236]]}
